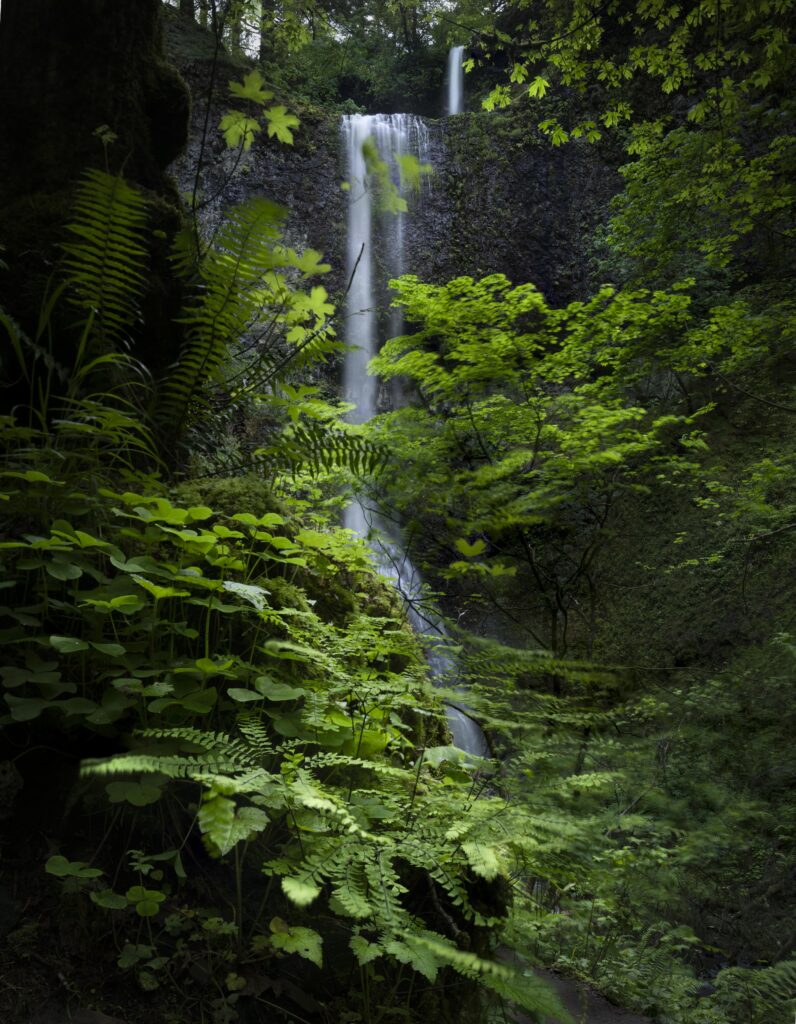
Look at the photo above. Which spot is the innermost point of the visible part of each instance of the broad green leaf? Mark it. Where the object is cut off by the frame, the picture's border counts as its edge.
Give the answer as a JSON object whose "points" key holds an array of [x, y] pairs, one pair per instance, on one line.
{"points": [[280, 123], [300, 891], [146, 901], [268, 519], [112, 650], [158, 592], [139, 794], [63, 868], [25, 709], [63, 570], [411, 170], [109, 899], [255, 595], [275, 691], [294, 939], [239, 130], [365, 952], [243, 696], [470, 550], [68, 644], [251, 88]]}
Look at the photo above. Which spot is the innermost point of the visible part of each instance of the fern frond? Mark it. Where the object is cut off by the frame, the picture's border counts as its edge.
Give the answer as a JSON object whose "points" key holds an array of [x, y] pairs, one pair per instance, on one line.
{"points": [[526, 990], [255, 733], [320, 449], [225, 307], [218, 755], [106, 264]]}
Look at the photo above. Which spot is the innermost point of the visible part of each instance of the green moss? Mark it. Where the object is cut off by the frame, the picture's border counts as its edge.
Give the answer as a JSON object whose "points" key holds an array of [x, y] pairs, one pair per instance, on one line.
{"points": [[229, 495]]}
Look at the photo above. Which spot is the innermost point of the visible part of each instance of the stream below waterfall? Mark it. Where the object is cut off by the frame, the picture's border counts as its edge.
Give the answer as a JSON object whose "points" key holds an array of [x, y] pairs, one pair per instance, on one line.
{"points": [[375, 253]]}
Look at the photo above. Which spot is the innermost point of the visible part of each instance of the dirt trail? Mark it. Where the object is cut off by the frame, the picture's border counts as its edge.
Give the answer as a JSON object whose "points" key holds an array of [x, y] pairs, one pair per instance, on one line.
{"points": [[585, 1005]]}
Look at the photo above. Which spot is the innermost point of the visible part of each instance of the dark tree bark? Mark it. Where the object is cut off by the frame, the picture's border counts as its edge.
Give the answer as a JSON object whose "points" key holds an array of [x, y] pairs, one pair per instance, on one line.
{"points": [[267, 19], [65, 70]]}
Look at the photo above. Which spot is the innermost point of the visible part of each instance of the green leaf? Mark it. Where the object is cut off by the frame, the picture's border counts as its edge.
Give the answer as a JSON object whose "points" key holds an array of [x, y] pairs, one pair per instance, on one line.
{"points": [[309, 263], [365, 951], [277, 691], [139, 794], [25, 709], [63, 868], [538, 87], [269, 519], [108, 899], [293, 939], [112, 650], [243, 696], [63, 570], [411, 170], [238, 129], [301, 891], [255, 595], [483, 860], [158, 592], [280, 123], [251, 88], [470, 550], [68, 644], [200, 701], [146, 901]]}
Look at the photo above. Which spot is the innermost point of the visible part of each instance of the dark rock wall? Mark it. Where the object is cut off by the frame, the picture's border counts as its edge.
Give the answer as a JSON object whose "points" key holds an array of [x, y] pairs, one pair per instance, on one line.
{"points": [[305, 178], [506, 201], [501, 199]]}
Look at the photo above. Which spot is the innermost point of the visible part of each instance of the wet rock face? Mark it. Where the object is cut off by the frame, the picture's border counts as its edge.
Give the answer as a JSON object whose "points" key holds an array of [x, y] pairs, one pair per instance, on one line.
{"points": [[501, 198], [505, 201], [304, 178]]}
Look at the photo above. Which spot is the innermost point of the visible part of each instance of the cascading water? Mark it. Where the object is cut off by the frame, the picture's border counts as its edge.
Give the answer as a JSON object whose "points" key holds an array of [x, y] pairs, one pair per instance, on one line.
{"points": [[394, 135], [454, 78]]}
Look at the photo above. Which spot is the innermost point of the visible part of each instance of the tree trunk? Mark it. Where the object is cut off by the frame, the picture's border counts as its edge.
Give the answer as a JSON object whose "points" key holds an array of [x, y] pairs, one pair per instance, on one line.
{"points": [[267, 22], [65, 70]]}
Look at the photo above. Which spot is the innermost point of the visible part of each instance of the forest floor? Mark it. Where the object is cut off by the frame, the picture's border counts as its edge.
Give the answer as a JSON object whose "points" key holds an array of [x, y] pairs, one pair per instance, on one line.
{"points": [[585, 1005]]}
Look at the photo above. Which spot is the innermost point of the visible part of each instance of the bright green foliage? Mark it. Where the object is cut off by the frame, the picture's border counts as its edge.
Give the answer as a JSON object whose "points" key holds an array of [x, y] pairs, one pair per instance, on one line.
{"points": [[525, 416], [240, 128], [717, 52], [317, 782]]}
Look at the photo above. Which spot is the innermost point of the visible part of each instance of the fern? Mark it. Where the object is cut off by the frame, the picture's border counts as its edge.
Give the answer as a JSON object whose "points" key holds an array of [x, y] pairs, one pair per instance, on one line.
{"points": [[525, 990], [218, 754], [226, 304], [758, 996], [323, 449], [106, 266]]}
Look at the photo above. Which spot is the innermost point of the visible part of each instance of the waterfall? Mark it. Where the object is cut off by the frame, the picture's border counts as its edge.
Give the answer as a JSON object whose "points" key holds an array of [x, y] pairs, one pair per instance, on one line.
{"points": [[375, 248], [395, 564], [454, 78], [394, 135]]}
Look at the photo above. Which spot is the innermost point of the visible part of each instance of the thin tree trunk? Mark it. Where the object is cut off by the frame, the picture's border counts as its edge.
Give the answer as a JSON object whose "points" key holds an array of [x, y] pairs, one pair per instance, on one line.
{"points": [[267, 23]]}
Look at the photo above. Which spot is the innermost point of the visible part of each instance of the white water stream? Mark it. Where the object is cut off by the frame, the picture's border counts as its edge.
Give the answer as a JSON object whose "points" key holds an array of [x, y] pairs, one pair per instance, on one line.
{"points": [[454, 81], [375, 247]]}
